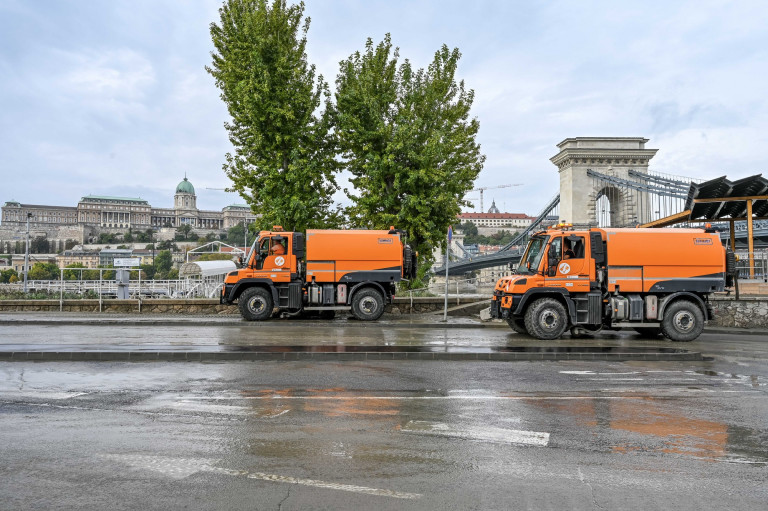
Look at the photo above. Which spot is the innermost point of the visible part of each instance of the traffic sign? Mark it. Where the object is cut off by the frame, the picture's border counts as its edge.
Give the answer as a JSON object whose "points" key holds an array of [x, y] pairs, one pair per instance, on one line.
{"points": [[127, 262]]}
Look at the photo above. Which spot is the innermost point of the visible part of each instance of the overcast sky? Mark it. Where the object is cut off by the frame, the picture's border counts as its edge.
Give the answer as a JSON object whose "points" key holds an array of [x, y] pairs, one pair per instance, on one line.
{"points": [[111, 97]]}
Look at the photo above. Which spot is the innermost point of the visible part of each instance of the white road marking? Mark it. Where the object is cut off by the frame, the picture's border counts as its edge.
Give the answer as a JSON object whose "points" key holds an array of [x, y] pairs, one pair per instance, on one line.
{"points": [[577, 372], [512, 436], [196, 406], [180, 468], [40, 394]]}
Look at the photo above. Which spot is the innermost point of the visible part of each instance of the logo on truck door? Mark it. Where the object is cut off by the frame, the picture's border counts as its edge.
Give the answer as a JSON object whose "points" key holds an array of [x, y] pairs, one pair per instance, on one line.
{"points": [[279, 261], [564, 268]]}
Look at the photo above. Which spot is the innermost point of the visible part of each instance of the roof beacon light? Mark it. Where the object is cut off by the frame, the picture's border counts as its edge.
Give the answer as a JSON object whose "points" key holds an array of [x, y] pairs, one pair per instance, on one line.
{"points": [[277, 228]]}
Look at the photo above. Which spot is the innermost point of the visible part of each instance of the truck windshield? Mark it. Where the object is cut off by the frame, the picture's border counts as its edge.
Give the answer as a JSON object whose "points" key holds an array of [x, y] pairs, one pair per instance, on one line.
{"points": [[533, 255]]}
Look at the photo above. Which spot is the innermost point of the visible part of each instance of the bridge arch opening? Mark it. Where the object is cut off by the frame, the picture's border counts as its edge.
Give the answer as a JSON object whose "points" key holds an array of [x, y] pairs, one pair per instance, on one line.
{"points": [[609, 202]]}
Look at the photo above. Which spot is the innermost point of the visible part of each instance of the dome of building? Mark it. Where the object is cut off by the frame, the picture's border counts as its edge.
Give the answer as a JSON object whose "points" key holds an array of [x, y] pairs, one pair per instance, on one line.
{"points": [[494, 210], [185, 187]]}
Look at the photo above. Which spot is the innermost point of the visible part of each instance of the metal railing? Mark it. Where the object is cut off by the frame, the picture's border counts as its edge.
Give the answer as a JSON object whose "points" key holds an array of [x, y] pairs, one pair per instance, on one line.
{"points": [[71, 282], [754, 267]]}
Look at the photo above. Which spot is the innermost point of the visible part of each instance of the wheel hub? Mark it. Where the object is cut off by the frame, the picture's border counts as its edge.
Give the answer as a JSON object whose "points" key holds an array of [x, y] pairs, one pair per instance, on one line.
{"points": [[684, 321], [256, 304], [549, 319], [368, 305]]}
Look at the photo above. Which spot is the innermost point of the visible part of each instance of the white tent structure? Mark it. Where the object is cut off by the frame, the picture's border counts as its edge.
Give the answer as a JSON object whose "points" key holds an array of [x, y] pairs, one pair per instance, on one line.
{"points": [[205, 278], [206, 268]]}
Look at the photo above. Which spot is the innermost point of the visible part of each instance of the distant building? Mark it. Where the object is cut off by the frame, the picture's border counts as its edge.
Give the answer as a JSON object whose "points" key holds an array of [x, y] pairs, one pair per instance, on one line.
{"points": [[497, 220], [95, 214], [88, 258], [108, 255]]}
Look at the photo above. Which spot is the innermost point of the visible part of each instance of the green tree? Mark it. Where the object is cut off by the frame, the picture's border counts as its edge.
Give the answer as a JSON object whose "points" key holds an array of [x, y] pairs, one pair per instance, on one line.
{"points": [[6, 275], [163, 261], [184, 232], [468, 228], [236, 235], [43, 271], [128, 236], [284, 159], [217, 257], [148, 271], [73, 274], [39, 245], [408, 141]]}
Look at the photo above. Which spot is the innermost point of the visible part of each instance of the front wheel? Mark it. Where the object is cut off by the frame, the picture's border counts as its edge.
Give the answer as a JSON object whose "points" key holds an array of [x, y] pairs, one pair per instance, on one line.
{"points": [[546, 319], [683, 321], [255, 304], [368, 304]]}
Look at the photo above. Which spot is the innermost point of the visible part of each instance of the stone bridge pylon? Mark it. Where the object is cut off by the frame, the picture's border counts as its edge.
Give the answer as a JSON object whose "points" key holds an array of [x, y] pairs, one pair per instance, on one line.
{"points": [[625, 158]]}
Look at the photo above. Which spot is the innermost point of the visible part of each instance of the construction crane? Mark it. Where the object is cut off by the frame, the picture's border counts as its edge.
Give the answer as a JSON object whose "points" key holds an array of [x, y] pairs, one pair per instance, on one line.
{"points": [[482, 189]]}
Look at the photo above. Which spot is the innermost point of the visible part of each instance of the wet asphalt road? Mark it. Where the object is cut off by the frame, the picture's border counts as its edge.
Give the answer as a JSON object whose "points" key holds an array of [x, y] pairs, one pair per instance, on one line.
{"points": [[381, 435]]}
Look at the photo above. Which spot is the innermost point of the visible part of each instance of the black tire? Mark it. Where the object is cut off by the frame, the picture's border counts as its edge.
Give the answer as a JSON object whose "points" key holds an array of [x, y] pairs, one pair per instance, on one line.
{"points": [[407, 262], [546, 319], [368, 304], [683, 321], [255, 304], [648, 331], [518, 325]]}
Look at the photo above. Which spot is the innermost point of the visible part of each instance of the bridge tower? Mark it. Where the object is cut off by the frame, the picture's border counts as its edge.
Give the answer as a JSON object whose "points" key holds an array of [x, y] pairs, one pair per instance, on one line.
{"points": [[610, 156]]}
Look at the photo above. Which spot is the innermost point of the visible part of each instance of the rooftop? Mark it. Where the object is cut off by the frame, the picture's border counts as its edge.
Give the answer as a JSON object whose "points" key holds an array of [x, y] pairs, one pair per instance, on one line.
{"points": [[107, 197]]}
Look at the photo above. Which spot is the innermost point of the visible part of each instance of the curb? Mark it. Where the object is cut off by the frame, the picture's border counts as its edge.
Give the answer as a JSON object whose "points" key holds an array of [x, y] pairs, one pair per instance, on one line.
{"points": [[255, 356]]}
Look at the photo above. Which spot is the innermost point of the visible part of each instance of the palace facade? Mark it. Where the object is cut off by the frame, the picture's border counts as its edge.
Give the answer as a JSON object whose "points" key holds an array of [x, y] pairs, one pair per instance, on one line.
{"points": [[121, 213]]}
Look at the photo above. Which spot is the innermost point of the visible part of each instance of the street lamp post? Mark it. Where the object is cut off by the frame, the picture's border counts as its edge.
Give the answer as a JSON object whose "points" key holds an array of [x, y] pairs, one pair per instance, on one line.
{"points": [[26, 255]]}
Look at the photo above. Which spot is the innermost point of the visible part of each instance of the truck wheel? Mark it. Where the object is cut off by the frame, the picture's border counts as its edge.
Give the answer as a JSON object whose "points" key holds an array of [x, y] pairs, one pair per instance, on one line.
{"points": [[255, 304], [648, 331], [683, 321], [368, 304], [546, 319], [517, 324]]}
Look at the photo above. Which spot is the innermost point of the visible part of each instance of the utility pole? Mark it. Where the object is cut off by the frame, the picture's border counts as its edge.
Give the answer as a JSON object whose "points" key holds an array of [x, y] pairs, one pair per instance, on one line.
{"points": [[26, 255]]}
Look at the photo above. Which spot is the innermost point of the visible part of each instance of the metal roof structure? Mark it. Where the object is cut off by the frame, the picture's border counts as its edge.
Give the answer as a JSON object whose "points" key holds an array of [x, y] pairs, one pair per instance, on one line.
{"points": [[723, 200], [206, 268]]}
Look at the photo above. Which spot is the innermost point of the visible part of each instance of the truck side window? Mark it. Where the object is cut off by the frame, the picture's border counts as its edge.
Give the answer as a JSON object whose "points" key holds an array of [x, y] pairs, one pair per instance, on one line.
{"points": [[573, 247], [556, 245]]}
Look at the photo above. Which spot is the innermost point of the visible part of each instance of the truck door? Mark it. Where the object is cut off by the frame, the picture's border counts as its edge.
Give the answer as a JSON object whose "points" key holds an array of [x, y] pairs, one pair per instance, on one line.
{"points": [[569, 269], [277, 261]]}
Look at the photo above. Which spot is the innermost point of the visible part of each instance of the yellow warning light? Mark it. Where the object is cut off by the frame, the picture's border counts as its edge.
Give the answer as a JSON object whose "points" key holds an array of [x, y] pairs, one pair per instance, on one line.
{"points": [[277, 227]]}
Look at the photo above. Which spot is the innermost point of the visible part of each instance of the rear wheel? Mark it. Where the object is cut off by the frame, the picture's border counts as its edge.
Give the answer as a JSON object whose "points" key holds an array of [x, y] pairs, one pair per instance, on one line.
{"points": [[517, 324], [683, 321], [546, 319], [255, 304], [368, 304]]}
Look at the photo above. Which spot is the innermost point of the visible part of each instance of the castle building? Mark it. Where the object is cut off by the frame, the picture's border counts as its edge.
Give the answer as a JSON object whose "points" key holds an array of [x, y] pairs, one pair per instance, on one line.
{"points": [[95, 214]]}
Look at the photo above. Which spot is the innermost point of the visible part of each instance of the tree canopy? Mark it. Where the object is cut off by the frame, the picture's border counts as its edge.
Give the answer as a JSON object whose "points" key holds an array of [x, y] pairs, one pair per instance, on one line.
{"points": [[283, 162], [408, 141]]}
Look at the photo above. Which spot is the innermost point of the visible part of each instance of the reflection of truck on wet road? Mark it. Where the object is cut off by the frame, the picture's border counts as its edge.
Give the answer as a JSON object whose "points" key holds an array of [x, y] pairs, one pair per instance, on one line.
{"points": [[653, 280], [325, 271]]}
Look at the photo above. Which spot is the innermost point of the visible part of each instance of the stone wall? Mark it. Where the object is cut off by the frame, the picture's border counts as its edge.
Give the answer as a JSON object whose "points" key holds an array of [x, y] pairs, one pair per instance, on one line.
{"points": [[743, 313]]}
